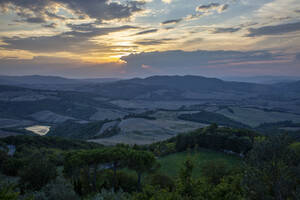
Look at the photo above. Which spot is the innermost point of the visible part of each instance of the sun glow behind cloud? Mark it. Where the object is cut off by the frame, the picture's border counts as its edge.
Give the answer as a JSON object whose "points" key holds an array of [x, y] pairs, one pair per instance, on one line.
{"points": [[105, 32]]}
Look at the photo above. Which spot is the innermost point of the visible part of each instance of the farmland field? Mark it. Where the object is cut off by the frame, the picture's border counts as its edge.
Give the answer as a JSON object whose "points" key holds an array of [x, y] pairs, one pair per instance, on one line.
{"points": [[171, 164], [254, 117]]}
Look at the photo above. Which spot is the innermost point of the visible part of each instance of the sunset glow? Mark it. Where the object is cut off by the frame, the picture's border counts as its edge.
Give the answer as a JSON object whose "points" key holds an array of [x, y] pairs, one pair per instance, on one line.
{"points": [[104, 32]]}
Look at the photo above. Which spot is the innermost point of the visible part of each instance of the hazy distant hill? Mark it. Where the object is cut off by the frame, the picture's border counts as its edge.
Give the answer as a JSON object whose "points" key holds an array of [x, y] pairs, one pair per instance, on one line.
{"points": [[291, 86], [157, 87], [263, 79], [55, 100], [163, 88], [185, 87], [35, 79], [50, 82]]}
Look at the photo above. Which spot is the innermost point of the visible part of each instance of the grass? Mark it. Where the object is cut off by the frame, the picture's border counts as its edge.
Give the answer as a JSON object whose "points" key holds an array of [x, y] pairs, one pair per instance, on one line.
{"points": [[171, 164], [254, 117]]}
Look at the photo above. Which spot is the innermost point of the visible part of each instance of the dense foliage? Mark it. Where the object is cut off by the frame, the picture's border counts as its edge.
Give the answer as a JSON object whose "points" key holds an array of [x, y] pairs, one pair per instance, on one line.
{"points": [[210, 118], [238, 141], [72, 129], [47, 168], [47, 142]]}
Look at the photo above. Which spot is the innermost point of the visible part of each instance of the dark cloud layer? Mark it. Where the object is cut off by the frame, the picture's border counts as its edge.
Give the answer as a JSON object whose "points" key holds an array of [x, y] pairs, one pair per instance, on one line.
{"points": [[36, 11], [194, 58], [212, 6], [147, 31], [153, 41], [172, 21], [57, 66], [226, 30], [208, 6], [52, 25], [206, 62], [274, 30], [77, 40]]}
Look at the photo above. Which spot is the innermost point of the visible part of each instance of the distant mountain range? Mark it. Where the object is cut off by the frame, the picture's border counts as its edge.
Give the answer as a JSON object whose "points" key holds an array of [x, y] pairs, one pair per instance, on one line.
{"points": [[262, 79], [30, 100], [192, 87], [50, 82], [160, 87]]}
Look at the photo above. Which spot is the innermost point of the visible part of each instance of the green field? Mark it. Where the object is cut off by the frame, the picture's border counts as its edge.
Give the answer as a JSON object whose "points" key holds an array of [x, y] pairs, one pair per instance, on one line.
{"points": [[171, 164], [254, 117]]}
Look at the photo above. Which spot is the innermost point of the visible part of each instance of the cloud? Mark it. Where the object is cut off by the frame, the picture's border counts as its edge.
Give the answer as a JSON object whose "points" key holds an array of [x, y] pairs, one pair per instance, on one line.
{"points": [[147, 32], [212, 63], [40, 11], [204, 8], [52, 25], [193, 41], [77, 40], [146, 66], [212, 6], [226, 30], [146, 42], [172, 21], [36, 20], [274, 30], [58, 66], [167, 1], [184, 58], [207, 63]]}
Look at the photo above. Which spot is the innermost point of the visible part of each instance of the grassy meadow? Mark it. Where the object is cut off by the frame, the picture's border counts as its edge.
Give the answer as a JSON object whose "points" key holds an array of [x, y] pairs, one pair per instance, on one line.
{"points": [[171, 164]]}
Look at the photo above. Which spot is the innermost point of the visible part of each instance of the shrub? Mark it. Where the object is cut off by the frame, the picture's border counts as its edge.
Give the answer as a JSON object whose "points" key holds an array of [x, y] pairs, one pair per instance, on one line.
{"points": [[111, 195], [38, 172], [215, 170], [57, 190], [162, 181], [7, 192], [124, 181]]}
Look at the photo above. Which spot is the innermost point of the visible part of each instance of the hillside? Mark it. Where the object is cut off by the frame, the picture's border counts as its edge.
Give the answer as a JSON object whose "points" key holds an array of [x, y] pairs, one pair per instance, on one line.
{"points": [[167, 104]]}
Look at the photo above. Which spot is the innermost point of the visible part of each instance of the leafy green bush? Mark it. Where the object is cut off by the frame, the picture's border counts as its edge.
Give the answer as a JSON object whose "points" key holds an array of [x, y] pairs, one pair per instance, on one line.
{"points": [[220, 139], [210, 118], [7, 192], [162, 181], [56, 190], [123, 180], [71, 129], [11, 166], [111, 195], [214, 171], [37, 172]]}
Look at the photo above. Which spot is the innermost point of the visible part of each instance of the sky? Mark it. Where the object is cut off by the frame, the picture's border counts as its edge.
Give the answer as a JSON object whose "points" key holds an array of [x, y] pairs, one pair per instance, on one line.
{"points": [[139, 38]]}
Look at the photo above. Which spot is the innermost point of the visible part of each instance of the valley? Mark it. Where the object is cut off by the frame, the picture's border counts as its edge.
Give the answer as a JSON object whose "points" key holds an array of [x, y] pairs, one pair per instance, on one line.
{"points": [[142, 111]]}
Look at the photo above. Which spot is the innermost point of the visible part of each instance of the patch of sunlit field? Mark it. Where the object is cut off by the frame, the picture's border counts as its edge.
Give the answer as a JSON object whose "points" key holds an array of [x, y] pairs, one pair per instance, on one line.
{"points": [[171, 164]]}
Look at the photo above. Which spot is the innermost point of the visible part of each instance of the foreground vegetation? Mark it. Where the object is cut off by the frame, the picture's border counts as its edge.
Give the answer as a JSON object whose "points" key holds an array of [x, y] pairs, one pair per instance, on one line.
{"points": [[189, 167], [170, 165]]}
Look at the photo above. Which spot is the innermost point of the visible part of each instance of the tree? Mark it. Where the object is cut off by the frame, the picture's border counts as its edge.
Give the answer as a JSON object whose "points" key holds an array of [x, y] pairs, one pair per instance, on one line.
{"points": [[111, 195], [229, 188], [117, 156], [215, 170], [57, 190], [186, 185], [86, 161], [154, 193], [141, 162], [38, 171], [271, 171], [7, 192], [162, 181], [72, 166]]}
